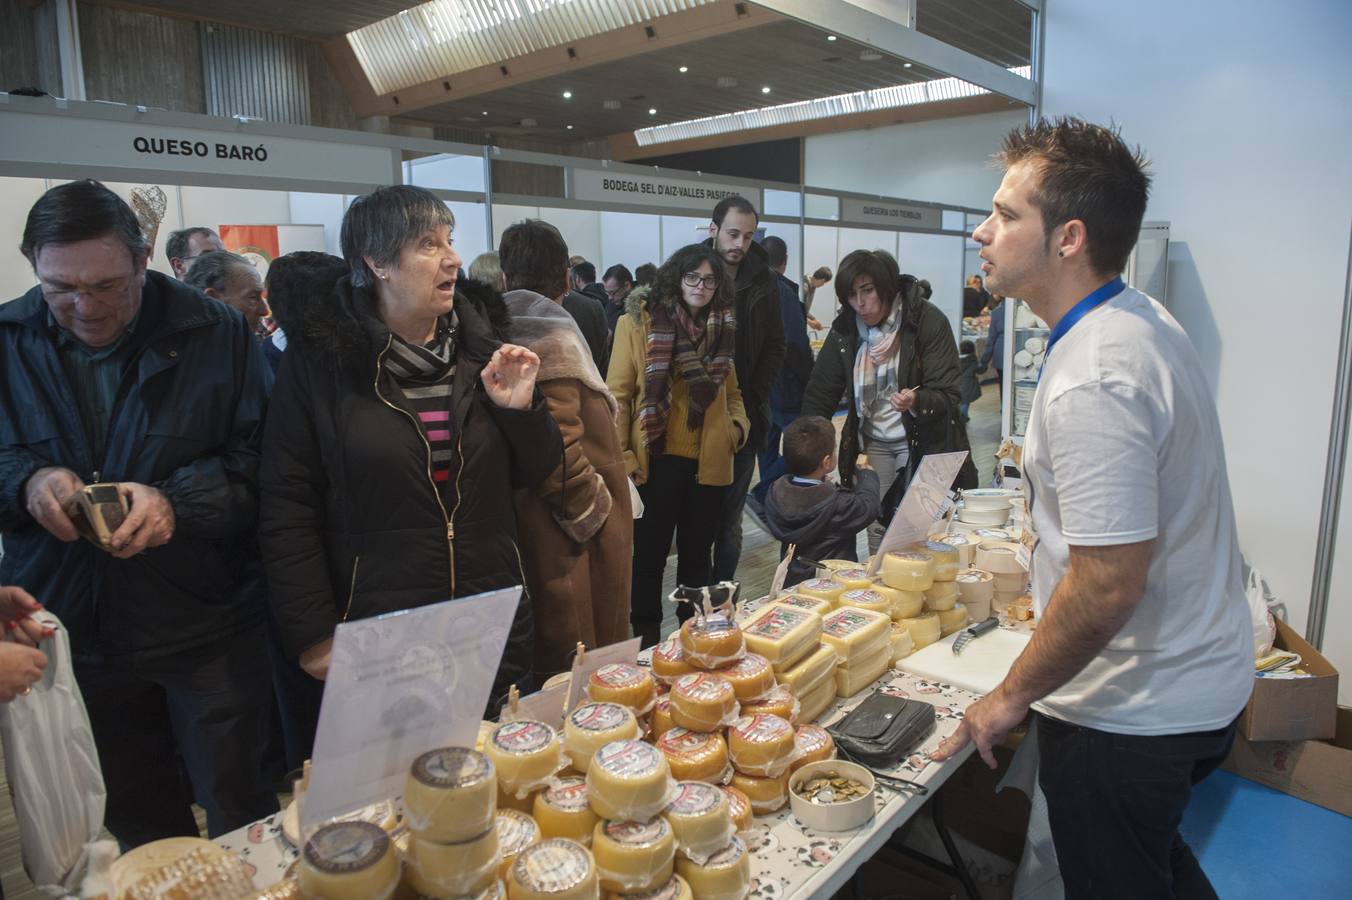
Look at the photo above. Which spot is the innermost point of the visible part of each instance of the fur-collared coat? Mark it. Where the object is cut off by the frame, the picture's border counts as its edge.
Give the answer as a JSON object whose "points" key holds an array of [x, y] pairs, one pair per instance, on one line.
{"points": [[576, 528]]}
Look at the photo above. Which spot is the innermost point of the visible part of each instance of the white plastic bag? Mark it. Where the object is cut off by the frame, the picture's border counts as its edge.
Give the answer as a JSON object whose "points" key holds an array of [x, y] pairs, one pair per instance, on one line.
{"points": [[1264, 626], [53, 771]]}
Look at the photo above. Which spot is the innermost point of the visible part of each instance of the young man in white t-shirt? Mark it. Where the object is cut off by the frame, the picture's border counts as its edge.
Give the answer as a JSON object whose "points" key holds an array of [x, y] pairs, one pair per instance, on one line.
{"points": [[1143, 657]]}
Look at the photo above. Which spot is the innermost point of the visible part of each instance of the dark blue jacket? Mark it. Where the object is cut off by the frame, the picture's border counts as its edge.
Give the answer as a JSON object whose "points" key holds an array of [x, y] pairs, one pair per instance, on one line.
{"points": [[994, 354], [786, 396], [188, 420]]}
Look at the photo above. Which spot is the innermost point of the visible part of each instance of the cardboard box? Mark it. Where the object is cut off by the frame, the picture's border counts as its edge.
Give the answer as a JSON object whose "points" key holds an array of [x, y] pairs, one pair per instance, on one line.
{"points": [[1317, 771], [1293, 709]]}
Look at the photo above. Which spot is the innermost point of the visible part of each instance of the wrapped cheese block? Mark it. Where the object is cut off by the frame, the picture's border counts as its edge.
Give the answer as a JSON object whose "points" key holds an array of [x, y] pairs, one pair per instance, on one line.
{"points": [[865, 599], [623, 683], [851, 632], [524, 753], [977, 590], [947, 560], [711, 642], [669, 662], [704, 701], [853, 579], [864, 671], [516, 831], [751, 677], [810, 604], [634, 856], [456, 870], [924, 629], [348, 861], [809, 672], [563, 810], [724, 876], [677, 888], [825, 588], [952, 620], [767, 794], [779, 702], [593, 725], [556, 869], [628, 780], [661, 719], [784, 635], [902, 643], [762, 745], [819, 699], [941, 596], [695, 755], [701, 817], [814, 745], [450, 795], [908, 571]]}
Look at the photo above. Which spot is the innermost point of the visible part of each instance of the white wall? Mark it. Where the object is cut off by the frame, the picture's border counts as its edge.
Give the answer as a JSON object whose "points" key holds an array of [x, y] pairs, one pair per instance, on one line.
{"points": [[938, 258], [629, 239], [1243, 107], [945, 161]]}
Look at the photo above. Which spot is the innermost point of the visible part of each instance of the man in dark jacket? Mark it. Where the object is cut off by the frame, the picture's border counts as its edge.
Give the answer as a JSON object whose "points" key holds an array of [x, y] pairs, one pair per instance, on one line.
{"points": [[586, 303], [786, 397], [759, 355], [618, 283], [116, 374]]}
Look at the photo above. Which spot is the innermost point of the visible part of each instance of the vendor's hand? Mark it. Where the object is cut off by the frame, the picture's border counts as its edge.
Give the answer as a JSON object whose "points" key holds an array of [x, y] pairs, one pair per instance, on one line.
{"points": [[903, 400], [315, 660], [985, 724], [20, 668], [814, 324], [45, 496], [150, 520], [509, 377], [16, 608]]}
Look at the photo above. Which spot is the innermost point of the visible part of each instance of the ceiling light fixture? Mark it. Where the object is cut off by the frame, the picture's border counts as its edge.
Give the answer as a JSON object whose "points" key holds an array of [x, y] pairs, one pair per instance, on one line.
{"points": [[569, 127], [568, 95], [652, 112], [610, 104], [830, 37], [685, 69], [766, 89], [906, 65], [485, 112]]}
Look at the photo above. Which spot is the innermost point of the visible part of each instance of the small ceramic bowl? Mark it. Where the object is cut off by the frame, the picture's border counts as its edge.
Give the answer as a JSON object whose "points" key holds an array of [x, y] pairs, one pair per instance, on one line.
{"points": [[832, 816]]}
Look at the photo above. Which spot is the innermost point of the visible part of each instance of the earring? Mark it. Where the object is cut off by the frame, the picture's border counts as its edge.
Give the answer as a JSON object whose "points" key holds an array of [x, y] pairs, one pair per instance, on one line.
{"points": [[384, 277], [1061, 253]]}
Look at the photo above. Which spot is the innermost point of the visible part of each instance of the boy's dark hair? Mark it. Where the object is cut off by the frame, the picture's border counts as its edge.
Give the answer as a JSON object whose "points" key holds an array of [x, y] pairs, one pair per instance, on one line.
{"points": [[533, 255], [967, 347], [1085, 172], [737, 202], [776, 250], [807, 441]]}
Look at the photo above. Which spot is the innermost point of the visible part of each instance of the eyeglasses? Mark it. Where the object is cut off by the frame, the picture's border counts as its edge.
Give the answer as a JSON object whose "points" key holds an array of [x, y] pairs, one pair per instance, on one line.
{"points": [[694, 279], [103, 291]]}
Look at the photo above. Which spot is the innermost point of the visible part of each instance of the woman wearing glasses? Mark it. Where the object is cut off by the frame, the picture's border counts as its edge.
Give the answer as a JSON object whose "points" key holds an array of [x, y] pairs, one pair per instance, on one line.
{"points": [[680, 422]]}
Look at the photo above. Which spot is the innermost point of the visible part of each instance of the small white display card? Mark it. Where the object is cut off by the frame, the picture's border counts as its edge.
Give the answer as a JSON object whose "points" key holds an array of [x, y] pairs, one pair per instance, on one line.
{"points": [[925, 501], [591, 660]]}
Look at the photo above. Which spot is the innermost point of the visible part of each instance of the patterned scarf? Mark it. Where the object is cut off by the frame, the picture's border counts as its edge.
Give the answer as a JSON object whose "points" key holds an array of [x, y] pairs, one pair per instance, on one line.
{"points": [[702, 354], [875, 364]]}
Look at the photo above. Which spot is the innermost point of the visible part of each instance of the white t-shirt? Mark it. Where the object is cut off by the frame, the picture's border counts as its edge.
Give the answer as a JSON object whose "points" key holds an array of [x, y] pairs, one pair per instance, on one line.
{"points": [[1124, 445]]}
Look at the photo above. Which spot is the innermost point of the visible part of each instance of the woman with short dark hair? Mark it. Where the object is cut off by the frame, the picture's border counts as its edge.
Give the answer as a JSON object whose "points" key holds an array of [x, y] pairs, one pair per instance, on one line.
{"points": [[400, 422], [681, 420]]}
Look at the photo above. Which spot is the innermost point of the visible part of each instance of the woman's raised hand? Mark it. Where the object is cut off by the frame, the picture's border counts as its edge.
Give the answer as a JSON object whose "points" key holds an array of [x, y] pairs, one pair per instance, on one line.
{"points": [[509, 377]]}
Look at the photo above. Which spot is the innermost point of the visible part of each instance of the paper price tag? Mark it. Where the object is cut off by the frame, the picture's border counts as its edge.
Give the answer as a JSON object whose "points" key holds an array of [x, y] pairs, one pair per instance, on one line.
{"points": [[782, 572], [623, 652]]}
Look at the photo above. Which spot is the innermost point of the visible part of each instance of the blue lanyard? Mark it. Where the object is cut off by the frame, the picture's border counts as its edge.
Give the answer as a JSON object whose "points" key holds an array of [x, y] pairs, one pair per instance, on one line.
{"points": [[1077, 312]]}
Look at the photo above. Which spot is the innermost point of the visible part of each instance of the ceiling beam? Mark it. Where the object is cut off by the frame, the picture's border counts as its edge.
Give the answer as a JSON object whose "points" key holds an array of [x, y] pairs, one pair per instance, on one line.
{"points": [[674, 30], [625, 148], [888, 36]]}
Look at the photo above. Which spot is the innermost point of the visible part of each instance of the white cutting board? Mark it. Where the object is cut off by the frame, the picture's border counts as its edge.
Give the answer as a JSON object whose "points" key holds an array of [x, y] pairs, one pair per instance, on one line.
{"points": [[981, 665]]}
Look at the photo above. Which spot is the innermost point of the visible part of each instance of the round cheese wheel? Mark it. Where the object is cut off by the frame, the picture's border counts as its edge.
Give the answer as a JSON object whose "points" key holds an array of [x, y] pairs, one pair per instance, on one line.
{"points": [[593, 725], [767, 794], [677, 888], [951, 620], [924, 629], [623, 683], [819, 699], [809, 672], [946, 558], [516, 831], [348, 861], [661, 717], [634, 856], [908, 571], [451, 795], [762, 745], [961, 544], [782, 634], [825, 588], [814, 745], [852, 579], [998, 558], [779, 702], [524, 754], [628, 780], [701, 817], [695, 755], [976, 584], [906, 604], [562, 810], [669, 662], [711, 642], [724, 876], [556, 869], [810, 604], [853, 632], [751, 677], [739, 807], [941, 595], [459, 869], [703, 701], [865, 598]]}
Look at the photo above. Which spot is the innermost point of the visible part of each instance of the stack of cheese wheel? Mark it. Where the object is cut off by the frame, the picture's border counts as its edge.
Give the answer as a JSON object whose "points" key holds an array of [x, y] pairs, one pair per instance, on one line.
{"points": [[696, 755], [711, 642], [976, 587], [562, 810], [701, 817], [901, 604], [623, 683], [703, 701], [450, 802], [908, 571], [726, 874], [812, 682], [762, 745], [351, 860], [942, 594], [784, 635], [556, 869], [862, 640], [1000, 558], [780, 701], [633, 855], [669, 662], [628, 780], [525, 755], [827, 589], [516, 831], [959, 542], [923, 628], [751, 677], [593, 725], [852, 579]]}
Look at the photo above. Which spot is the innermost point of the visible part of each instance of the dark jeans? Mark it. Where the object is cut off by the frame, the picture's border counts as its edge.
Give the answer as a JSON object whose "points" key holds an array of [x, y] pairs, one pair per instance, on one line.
{"points": [[728, 539], [771, 460], [210, 705], [673, 503], [1115, 801]]}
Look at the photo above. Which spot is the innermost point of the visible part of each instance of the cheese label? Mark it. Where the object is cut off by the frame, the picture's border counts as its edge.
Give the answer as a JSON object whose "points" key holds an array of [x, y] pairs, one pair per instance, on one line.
{"points": [[851, 575], [994, 534], [864, 595], [523, 737], [695, 798], [728, 857], [761, 728], [568, 794], [954, 540], [914, 556], [682, 741], [631, 759], [618, 675], [844, 622], [822, 584], [638, 834], [598, 716], [811, 604], [552, 866], [670, 650], [515, 830], [345, 847], [777, 622], [810, 738], [703, 687], [452, 767], [974, 576], [939, 547]]}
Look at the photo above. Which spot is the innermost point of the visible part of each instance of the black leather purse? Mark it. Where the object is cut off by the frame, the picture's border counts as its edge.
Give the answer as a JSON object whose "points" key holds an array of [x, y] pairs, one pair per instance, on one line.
{"points": [[882, 729]]}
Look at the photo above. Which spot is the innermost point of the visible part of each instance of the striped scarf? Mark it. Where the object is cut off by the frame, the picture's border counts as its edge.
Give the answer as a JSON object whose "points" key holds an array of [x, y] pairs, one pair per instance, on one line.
{"points": [[875, 363], [700, 352], [425, 375]]}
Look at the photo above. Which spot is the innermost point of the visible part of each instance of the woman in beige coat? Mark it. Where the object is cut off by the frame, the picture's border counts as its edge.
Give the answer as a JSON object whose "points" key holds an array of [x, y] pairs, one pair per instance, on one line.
{"points": [[681, 420]]}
